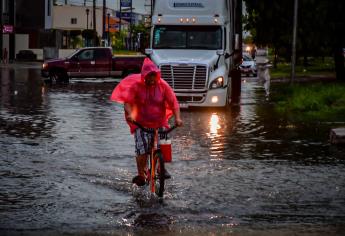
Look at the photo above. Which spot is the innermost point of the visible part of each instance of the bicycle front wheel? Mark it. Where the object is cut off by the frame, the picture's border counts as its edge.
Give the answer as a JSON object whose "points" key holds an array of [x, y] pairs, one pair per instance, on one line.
{"points": [[159, 177]]}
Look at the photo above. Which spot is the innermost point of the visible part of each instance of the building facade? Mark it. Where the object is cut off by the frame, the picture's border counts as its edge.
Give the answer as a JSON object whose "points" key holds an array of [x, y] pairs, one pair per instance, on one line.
{"points": [[48, 24]]}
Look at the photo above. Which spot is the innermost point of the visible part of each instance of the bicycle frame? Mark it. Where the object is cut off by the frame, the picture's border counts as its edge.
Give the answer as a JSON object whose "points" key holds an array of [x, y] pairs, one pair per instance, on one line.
{"points": [[154, 148], [151, 174]]}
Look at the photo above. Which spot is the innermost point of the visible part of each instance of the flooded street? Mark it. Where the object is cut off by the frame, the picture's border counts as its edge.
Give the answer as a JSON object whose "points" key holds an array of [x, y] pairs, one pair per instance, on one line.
{"points": [[67, 161]]}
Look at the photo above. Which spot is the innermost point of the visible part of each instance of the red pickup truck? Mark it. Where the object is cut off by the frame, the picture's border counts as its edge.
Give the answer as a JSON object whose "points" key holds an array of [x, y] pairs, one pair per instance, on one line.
{"points": [[90, 63]]}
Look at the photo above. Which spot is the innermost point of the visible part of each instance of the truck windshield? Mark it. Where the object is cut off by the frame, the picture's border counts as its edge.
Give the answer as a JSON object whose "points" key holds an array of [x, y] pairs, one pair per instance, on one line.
{"points": [[187, 37]]}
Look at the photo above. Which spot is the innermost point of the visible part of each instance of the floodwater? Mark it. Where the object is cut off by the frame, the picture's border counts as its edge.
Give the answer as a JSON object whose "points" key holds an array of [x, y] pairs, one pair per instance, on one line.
{"points": [[67, 160]]}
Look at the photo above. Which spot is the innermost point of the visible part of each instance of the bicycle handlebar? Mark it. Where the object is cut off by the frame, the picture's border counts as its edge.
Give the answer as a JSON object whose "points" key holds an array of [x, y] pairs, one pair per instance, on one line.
{"points": [[147, 130]]}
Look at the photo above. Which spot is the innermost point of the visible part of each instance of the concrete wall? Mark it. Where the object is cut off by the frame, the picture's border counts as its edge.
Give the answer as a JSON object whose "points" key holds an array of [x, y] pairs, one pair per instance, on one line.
{"points": [[22, 42], [62, 16]]}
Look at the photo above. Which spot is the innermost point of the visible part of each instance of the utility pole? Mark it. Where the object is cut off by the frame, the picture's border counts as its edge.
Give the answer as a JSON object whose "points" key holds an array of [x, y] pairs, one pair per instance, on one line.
{"points": [[108, 34], [235, 12], [120, 17], [87, 26], [294, 38], [151, 5], [131, 28], [151, 9], [12, 38], [1, 34], [94, 23], [104, 14]]}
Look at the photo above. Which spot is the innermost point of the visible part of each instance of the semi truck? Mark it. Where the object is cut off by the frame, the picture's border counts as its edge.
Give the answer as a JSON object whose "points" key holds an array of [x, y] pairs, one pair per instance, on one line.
{"points": [[192, 42]]}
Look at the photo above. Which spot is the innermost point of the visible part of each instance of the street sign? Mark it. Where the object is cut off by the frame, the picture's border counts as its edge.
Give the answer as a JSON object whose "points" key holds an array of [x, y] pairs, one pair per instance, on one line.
{"points": [[7, 29], [124, 15], [126, 3]]}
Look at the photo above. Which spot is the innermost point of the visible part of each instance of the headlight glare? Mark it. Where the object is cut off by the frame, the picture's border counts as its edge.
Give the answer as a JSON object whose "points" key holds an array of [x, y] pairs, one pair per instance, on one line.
{"points": [[217, 83]]}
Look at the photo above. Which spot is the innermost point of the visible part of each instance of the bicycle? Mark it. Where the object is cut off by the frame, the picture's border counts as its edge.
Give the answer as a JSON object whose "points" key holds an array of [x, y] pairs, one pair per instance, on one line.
{"points": [[155, 169]]}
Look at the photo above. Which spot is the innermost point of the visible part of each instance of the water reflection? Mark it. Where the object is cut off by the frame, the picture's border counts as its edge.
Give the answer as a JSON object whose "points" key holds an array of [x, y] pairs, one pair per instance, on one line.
{"points": [[7, 89], [214, 124], [23, 112]]}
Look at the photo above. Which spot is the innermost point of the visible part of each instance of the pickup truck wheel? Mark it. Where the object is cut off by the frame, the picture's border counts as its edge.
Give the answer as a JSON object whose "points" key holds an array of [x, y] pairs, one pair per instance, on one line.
{"points": [[53, 77], [57, 76]]}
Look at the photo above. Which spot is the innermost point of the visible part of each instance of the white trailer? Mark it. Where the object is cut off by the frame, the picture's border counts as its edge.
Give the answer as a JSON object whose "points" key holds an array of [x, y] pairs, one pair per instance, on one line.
{"points": [[191, 45]]}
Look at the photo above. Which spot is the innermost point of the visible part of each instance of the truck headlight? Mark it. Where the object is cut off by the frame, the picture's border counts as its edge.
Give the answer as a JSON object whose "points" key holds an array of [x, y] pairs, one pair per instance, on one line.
{"points": [[217, 83], [44, 65]]}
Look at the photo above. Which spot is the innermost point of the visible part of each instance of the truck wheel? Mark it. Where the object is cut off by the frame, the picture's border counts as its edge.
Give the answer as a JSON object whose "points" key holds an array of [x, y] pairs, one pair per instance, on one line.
{"points": [[53, 77], [58, 76]]}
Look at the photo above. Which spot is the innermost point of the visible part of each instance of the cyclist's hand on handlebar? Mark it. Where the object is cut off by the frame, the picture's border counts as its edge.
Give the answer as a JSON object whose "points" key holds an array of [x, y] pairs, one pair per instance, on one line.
{"points": [[178, 122]]}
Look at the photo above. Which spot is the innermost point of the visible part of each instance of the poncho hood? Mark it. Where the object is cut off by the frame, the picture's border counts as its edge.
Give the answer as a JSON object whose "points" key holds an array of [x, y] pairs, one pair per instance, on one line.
{"points": [[148, 67]]}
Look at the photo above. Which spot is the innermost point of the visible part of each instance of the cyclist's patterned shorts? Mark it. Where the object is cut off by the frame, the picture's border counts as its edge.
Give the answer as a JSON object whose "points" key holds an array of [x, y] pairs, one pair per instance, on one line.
{"points": [[143, 140]]}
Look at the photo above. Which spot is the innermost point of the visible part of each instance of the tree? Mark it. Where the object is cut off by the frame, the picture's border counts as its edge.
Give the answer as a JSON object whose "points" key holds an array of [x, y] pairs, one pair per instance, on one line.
{"points": [[144, 33], [321, 28], [269, 21], [120, 37]]}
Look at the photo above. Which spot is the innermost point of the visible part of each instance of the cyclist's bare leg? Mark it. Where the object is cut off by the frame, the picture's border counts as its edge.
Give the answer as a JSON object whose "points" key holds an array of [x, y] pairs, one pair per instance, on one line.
{"points": [[141, 164]]}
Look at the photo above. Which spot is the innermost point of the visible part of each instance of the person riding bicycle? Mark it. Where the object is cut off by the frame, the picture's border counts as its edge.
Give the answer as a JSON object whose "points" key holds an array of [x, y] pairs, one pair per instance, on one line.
{"points": [[150, 101]]}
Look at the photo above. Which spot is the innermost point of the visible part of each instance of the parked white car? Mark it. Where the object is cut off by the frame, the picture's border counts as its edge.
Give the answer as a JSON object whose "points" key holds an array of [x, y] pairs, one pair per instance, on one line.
{"points": [[248, 66]]}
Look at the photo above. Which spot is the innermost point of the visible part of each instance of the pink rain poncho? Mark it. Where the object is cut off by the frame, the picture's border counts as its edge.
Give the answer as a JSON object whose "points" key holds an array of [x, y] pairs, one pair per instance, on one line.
{"points": [[152, 106]]}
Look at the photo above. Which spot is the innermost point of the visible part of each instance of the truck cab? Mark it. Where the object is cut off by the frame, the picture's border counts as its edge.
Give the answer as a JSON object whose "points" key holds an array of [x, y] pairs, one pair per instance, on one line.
{"points": [[190, 44]]}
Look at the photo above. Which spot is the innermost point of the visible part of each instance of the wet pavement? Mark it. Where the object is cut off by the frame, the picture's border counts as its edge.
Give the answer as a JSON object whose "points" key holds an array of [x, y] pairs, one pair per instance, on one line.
{"points": [[67, 160]]}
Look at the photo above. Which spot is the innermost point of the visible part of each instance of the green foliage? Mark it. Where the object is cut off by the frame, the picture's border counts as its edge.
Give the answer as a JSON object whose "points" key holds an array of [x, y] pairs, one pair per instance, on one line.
{"points": [[76, 42], [124, 52], [119, 41], [320, 31], [317, 67], [144, 35], [140, 28], [318, 101]]}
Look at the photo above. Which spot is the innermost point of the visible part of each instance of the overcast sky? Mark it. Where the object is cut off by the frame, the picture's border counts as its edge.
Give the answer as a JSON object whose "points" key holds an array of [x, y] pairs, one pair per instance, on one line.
{"points": [[139, 5]]}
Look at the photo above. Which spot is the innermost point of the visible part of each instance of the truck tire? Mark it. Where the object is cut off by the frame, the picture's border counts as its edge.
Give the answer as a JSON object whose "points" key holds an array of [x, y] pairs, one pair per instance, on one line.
{"points": [[58, 76]]}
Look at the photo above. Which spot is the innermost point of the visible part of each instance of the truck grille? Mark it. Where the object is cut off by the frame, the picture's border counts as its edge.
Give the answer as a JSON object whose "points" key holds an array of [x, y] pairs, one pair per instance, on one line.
{"points": [[190, 98], [185, 77]]}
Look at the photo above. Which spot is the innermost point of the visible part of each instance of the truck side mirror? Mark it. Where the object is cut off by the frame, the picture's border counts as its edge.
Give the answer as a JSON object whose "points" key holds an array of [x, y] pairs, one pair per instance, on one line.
{"points": [[148, 51]]}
